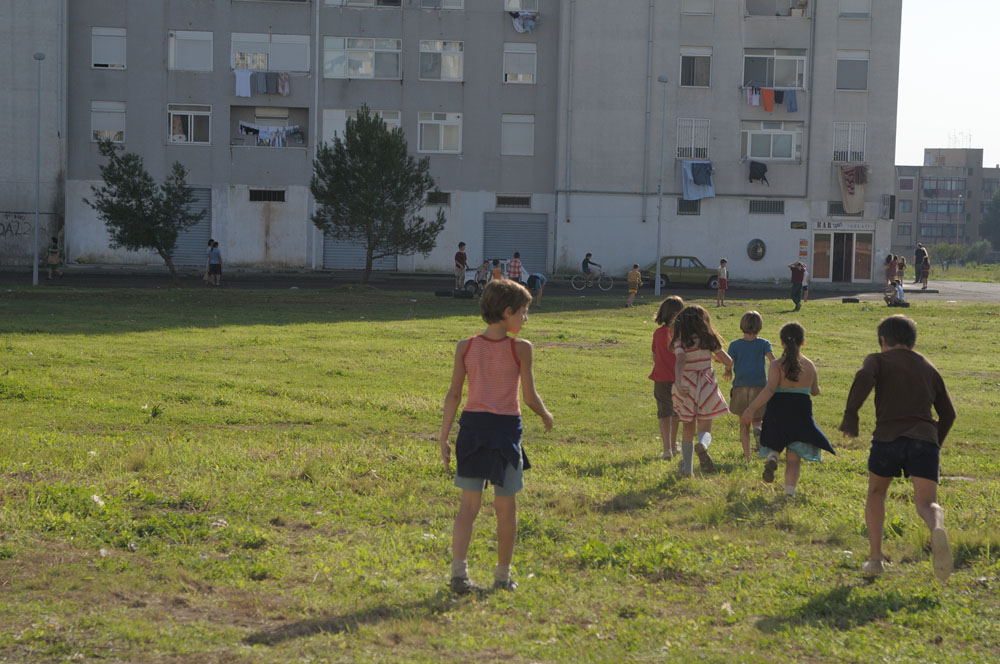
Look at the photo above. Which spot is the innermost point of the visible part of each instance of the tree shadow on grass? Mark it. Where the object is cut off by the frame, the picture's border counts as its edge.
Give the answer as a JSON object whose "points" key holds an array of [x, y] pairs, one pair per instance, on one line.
{"points": [[348, 622], [842, 609], [601, 469]]}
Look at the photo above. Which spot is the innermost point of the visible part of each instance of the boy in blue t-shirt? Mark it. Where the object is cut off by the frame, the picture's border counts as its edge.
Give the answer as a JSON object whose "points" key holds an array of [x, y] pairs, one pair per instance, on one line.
{"points": [[750, 375]]}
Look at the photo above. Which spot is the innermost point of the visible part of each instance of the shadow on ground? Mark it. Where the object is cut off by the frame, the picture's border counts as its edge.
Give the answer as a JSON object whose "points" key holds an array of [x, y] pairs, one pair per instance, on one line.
{"points": [[844, 608]]}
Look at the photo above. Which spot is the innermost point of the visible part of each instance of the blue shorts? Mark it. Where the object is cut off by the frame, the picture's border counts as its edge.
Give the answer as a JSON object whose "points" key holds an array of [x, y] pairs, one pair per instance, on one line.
{"points": [[904, 456], [513, 481]]}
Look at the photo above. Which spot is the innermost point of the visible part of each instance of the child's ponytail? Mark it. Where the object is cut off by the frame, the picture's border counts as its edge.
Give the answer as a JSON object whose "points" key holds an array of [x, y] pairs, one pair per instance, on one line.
{"points": [[792, 336]]}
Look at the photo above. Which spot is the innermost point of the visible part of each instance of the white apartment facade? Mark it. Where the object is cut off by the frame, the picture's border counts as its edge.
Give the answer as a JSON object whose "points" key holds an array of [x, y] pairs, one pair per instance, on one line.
{"points": [[840, 58], [545, 141]]}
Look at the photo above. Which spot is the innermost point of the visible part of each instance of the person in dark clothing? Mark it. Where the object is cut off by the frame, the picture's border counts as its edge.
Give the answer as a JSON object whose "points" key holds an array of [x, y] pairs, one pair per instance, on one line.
{"points": [[798, 269], [906, 441]]}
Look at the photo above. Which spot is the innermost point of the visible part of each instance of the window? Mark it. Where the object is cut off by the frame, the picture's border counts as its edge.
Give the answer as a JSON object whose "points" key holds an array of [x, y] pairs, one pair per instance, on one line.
{"points": [[688, 207], [263, 52], [849, 141], [365, 3], [442, 4], [520, 5], [442, 198], [944, 231], [362, 57], [107, 48], [855, 8], [767, 207], [519, 62], [335, 121], [771, 140], [774, 68], [904, 229], [772, 7], [836, 209], [905, 205], [267, 195], [942, 187], [189, 51], [441, 60], [696, 66], [517, 135], [440, 132], [107, 120], [189, 123], [906, 184], [852, 70], [990, 185], [696, 6], [513, 200], [692, 138]]}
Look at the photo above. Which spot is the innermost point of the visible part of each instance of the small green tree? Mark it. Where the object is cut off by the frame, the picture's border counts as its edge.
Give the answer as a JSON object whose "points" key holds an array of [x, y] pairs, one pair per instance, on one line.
{"points": [[990, 228], [978, 252], [138, 213], [369, 189], [946, 253]]}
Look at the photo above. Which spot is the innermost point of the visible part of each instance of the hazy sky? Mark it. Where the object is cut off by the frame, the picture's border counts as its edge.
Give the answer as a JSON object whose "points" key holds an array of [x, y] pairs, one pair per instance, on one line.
{"points": [[947, 86]]}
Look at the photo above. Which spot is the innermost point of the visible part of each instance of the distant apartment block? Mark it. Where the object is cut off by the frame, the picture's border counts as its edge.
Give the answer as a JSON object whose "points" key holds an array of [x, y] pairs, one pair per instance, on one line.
{"points": [[944, 200]]}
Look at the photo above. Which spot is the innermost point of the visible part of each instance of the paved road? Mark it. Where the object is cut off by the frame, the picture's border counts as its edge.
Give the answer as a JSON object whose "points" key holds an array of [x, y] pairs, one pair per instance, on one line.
{"points": [[91, 276]]}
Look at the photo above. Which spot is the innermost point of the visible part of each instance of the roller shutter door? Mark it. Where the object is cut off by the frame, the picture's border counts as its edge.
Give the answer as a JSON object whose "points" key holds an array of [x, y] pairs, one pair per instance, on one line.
{"points": [[192, 244], [349, 255], [505, 233]]}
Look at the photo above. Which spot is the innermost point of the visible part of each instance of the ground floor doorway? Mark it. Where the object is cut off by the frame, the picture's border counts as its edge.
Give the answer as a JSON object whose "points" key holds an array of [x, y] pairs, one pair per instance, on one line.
{"points": [[843, 256]]}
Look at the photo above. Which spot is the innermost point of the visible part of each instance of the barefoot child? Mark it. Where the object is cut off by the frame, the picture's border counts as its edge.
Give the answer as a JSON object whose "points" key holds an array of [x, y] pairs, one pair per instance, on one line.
{"points": [[723, 277], [634, 283], [749, 374], [488, 448], [664, 363], [696, 396], [788, 420], [906, 440]]}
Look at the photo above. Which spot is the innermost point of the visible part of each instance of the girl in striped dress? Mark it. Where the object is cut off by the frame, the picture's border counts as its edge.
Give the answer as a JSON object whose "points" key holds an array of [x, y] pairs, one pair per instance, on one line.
{"points": [[696, 395]]}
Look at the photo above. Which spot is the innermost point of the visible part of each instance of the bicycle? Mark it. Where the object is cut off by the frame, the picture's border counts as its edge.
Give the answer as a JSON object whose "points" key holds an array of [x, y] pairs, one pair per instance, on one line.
{"points": [[603, 281]]}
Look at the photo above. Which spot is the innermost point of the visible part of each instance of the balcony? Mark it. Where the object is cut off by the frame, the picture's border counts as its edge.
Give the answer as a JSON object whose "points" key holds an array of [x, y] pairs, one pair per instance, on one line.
{"points": [[776, 8]]}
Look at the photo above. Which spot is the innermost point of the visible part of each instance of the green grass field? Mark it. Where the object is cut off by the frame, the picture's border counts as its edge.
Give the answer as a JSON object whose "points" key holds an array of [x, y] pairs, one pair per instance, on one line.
{"points": [[989, 273], [253, 476]]}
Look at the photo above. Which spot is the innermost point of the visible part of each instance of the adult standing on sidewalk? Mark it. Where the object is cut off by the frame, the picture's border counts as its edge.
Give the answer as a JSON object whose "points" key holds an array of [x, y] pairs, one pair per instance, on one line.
{"points": [[925, 269], [798, 269], [461, 265], [918, 259]]}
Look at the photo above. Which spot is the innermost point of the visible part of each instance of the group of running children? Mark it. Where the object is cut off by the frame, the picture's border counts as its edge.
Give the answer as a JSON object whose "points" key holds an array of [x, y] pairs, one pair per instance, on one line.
{"points": [[774, 405]]}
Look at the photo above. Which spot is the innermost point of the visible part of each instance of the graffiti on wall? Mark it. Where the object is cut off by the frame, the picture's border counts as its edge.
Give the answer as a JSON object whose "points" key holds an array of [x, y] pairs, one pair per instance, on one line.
{"points": [[15, 224]]}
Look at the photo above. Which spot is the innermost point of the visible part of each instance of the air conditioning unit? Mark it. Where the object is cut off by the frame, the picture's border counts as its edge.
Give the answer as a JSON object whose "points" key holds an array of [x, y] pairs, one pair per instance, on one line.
{"points": [[888, 207]]}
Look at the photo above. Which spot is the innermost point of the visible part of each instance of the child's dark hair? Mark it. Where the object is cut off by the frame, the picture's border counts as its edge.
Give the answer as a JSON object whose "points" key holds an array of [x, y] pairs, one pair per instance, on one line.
{"points": [[635, 266], [669, 309], [898, 330], [517, 254], [693, 323], [496, 261], [792, 336], [500, 294], [751, 323]]}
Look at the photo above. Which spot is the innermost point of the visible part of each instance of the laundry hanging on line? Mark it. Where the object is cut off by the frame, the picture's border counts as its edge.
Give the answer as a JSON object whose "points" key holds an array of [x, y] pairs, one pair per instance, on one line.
{"points": [[758, 171], [242, 82], [691, 189], [524, 21], [275, 136]]}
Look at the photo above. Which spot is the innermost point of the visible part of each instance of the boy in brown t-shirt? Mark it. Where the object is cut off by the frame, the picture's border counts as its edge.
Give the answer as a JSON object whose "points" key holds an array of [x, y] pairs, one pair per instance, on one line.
{"points": [[906, 440]]}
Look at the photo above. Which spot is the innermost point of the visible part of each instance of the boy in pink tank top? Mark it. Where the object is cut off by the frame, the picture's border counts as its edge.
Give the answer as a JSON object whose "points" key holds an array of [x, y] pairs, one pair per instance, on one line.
{"points": [[488, 447]]}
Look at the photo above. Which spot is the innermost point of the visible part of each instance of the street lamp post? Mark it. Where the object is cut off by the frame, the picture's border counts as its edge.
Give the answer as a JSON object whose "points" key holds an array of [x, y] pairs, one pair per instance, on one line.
{"points": [[38, 166], [659, 187]]}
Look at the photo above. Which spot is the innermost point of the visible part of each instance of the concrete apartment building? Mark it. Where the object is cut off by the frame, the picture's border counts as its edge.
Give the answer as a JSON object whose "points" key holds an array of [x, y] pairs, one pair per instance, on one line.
{"points": [[841, 58], [468, 89], [27, 28], [544, 141], [945, 200]]}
